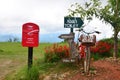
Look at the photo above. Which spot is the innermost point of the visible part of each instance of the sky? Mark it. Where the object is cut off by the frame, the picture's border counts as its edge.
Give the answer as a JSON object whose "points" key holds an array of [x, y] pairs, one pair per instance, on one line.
{"points": [[48, 14]]}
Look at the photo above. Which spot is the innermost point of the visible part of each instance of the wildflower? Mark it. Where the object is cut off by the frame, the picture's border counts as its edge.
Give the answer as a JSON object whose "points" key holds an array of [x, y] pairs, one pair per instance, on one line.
{"points": [[101, 47]]}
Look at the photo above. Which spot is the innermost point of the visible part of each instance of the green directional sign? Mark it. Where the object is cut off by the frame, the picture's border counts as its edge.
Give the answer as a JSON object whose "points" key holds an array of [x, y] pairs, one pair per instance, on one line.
{"points": [[72, 22]]}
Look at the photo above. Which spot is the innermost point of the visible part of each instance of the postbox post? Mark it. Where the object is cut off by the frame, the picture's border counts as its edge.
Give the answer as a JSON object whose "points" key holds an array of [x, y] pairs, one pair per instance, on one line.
{"points": [[30, 57], [71, 30]]}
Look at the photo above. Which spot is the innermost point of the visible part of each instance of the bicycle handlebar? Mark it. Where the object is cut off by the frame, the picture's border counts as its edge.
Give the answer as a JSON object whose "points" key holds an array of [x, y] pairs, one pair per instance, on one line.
{"points": [[88, 32]]}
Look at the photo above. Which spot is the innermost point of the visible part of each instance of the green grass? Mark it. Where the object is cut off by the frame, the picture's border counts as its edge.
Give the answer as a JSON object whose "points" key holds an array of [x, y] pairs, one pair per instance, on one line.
{"points": [[13, 50], [14, 57], [18, 56]]}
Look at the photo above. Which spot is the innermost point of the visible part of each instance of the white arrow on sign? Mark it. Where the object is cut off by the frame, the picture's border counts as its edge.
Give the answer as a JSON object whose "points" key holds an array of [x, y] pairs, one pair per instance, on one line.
{"points": [[32, 31]]}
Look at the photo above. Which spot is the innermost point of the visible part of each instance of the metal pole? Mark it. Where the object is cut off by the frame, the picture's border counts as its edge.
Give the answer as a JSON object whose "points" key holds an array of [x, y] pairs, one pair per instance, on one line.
{"points": [[70, 44], [71, 30], [30, 56]]}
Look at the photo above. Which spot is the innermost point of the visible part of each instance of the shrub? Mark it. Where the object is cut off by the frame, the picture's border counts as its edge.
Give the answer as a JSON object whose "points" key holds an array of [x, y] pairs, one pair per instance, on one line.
{"points": [[56, 52], [95, 56], [102, 48], [111, 41], [108, 40]]}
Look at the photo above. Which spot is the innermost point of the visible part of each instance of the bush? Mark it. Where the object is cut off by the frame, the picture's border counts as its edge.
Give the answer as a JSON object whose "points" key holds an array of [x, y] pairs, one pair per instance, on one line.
{"points": [[56, 52], [111, 41], [95, 56], [102, 48], [108, 40]]}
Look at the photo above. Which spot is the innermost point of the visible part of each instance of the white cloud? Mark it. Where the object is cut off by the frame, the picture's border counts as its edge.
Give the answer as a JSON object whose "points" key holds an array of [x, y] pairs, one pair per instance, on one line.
{"points": [[14, 13], [48, 14]]}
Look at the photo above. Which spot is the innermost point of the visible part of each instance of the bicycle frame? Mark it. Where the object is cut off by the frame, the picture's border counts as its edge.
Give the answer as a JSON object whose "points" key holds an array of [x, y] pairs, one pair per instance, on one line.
{"points": [[86, 40]]}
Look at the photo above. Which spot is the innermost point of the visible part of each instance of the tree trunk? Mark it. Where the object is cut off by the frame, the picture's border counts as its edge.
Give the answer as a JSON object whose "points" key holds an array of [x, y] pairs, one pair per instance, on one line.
{"points": [[115, 45], [116, 31]]}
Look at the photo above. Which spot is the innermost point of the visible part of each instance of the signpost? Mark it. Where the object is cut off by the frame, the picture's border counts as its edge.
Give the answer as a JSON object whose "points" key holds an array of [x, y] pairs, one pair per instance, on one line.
{"points": [[30, 39], [72, 22]]}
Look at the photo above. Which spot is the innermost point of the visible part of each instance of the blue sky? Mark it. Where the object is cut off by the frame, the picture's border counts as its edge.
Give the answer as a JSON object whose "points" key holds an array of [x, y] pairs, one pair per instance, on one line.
{"points": [[48, 14]]}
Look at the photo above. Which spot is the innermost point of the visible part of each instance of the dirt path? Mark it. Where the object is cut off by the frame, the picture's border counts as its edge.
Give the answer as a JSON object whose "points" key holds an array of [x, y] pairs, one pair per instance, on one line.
{"points": [[106, 70], [8, 66], [4, 68]]}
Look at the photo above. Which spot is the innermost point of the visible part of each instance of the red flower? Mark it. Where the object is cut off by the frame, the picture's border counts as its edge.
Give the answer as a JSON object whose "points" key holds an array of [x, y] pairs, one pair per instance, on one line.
{"points": [[59, 50], [101, 47]]}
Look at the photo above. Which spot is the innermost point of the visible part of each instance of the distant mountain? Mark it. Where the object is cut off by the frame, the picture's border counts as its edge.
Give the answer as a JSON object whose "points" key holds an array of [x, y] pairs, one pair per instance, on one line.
{"points": [[52, 37], [5, 37]]}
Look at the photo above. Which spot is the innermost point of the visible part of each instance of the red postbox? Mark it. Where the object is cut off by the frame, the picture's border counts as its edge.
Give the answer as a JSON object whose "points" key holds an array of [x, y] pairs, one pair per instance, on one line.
{"points": [[30, 35]]}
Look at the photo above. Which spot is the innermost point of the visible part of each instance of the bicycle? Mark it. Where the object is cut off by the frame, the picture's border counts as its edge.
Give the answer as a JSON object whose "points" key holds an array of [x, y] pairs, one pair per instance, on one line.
{"points": [[87, 40]]}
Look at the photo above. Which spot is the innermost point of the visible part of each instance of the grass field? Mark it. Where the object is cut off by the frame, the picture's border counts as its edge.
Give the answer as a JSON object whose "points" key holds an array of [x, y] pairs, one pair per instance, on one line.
{"points": [[14, 57], [13, 62]]}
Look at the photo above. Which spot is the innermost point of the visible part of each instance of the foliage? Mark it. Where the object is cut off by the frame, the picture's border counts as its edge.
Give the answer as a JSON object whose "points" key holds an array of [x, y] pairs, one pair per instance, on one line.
{"points": [[102, 48], [108, 40], [56, 52], [109, 13], [96, 56], [95, 8], [87, 11], [111, 41]]}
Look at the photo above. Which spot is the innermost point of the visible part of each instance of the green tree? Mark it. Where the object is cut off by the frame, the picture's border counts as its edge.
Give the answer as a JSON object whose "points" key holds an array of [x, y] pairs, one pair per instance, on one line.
{"points": [[10, 40], [109, 13], [15, 39]]}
